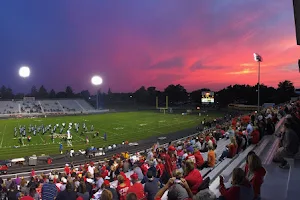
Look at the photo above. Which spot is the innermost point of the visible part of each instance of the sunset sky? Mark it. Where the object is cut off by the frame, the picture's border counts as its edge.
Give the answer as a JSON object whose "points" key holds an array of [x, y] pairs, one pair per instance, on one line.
{"points": [[196, 43]]}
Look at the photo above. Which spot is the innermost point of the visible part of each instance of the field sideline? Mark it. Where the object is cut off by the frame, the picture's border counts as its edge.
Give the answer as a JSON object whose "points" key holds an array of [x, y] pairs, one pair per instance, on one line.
{"points": [[131, 126]]}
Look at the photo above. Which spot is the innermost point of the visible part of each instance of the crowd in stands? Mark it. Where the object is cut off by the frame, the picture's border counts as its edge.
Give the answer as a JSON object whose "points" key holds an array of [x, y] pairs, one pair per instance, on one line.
{"points": [[174, 169], [30, 107]]}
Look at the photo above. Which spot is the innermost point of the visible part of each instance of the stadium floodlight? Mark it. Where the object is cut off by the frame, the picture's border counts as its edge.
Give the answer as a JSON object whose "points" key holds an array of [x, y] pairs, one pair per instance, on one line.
{"points": [[24, 72], [258, 59], [97, 80]]}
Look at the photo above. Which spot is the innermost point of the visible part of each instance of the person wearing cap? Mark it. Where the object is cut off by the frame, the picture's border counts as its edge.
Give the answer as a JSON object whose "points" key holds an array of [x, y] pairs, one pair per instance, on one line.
{"points": [[170, 161], [63, 184], [136, 187], [190, 154], [67, 169], [49, 190]]}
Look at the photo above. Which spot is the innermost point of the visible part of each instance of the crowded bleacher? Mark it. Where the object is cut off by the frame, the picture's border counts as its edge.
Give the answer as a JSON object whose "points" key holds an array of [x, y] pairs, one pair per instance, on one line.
{"points": [[183, 169]]}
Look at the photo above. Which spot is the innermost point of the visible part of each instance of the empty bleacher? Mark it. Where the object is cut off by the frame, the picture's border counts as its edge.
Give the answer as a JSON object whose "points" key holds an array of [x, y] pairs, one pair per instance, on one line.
{"points": [[51, 106], [71, 105], [85, 105]]}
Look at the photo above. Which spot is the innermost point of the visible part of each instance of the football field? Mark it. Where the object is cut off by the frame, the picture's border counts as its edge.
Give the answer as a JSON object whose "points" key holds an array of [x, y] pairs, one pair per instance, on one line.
{"points": [[119, 127]]}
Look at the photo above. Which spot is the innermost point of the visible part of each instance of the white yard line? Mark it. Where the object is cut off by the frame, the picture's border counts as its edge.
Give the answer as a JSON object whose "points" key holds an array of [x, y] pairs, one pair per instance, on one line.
{"points": [[3, 135], [42, 138], [78, 136]]}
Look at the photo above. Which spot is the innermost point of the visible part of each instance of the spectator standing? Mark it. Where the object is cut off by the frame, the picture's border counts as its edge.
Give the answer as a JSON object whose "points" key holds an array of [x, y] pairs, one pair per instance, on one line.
{"points": [[49, 190], [136, 187], [68, 193], [151, 186]]}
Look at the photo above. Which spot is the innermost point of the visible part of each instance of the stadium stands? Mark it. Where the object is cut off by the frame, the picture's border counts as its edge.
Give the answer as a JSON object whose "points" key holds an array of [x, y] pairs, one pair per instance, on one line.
{"points": [[66, 106], [71, 105], [9, 107], [50, 106]]}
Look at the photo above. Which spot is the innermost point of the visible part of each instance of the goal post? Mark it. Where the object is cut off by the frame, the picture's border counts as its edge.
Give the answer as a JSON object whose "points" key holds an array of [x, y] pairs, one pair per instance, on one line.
{"points": [[162, 109]]}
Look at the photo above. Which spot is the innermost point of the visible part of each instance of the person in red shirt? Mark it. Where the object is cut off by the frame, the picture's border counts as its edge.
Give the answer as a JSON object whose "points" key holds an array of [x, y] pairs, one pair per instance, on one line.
{"points": [[190, 156], [231, 150], [67, 169], [255, 173], [255, 136], [32, 172], [122, 187], [241, 189], [193, 176], [160, 168], [136, 187], [199, 159], [170, 160]]}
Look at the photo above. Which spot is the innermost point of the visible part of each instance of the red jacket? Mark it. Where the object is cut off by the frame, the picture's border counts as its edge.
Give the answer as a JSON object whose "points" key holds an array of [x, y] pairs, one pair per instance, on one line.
{"points": [[160, 168], [232, 150], [170, 163], [255, 137], [199, 159], [138, 189], [257, 179], [235, 192], [194, 180]]}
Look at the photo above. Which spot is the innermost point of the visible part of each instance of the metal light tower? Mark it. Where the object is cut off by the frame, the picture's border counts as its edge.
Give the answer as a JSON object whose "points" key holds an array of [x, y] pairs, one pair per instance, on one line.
{"points": [[258, 59], [97, 80]]}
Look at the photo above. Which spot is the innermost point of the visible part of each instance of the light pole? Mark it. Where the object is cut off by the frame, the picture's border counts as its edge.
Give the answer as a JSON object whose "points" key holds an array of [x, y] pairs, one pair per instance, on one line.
{"points": [[24, 72], [258, 59], [97, 80]]}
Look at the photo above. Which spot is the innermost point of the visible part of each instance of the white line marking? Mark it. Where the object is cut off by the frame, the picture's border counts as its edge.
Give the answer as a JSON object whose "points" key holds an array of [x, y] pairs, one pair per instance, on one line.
{"points": [[2, 135]]}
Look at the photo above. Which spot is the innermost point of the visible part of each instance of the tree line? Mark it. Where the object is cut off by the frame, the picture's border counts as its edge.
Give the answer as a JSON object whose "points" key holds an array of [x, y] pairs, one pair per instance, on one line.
{"points": [[177, 95]]}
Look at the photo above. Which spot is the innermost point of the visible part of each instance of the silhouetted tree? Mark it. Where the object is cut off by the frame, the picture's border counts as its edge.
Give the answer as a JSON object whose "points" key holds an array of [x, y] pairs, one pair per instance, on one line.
{"points": [[69, 92], [33, 91], [42, 92], [61, 95], [52, 94], [141, 95], [286, 90], [176, 93], [85, 94]]}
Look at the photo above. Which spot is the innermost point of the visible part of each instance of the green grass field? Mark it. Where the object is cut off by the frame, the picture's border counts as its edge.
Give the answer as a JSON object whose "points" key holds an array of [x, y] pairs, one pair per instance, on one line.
{"points": [[130, 126]]}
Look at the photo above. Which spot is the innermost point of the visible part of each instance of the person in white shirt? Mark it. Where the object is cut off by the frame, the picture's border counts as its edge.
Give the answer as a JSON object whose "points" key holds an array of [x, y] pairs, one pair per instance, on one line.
{"points": [[91, 170]]}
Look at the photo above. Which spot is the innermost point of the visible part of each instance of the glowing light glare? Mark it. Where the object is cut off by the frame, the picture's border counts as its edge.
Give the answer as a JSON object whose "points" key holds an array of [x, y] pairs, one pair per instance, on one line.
{"points": [[96, 80], [24, 72]]}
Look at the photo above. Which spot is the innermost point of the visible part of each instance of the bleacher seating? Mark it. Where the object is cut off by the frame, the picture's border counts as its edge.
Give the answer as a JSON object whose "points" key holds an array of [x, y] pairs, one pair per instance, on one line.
{"points": [[44, 106], [29, 107], [71, 105], [9, 107], [85, 105], [50, 106]]}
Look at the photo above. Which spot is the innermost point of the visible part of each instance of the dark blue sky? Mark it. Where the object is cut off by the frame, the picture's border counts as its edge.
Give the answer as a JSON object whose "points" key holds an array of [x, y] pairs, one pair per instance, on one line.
{"points": [[133, 43]]}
